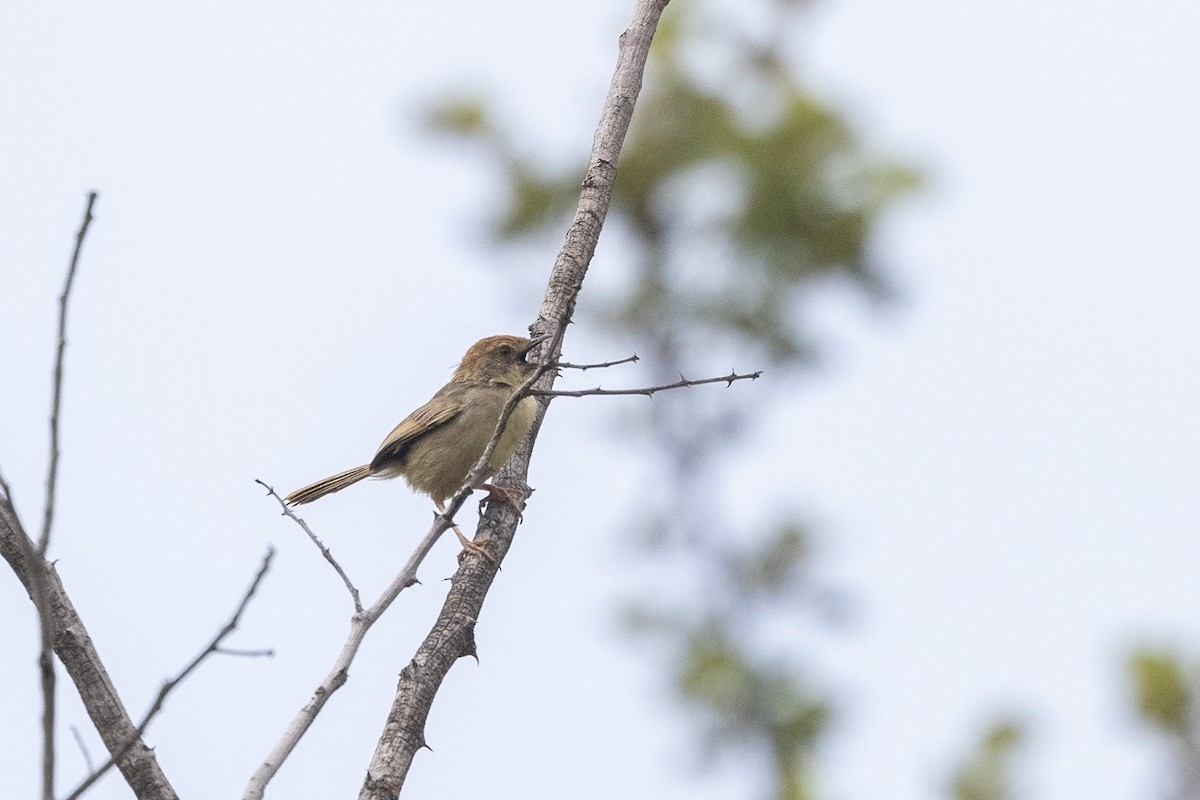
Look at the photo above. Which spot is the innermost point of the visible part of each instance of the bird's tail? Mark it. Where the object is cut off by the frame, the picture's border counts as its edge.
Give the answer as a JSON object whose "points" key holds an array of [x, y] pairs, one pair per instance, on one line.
{"points": [[334, 483]]}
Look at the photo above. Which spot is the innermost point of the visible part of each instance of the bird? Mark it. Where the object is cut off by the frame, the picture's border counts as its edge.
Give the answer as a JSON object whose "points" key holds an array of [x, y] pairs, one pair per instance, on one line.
{"points": [[434, 447]]}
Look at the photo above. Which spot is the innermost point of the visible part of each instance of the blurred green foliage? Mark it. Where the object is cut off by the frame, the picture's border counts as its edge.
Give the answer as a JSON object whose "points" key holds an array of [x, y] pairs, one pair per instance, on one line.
{"points": [[1164, 693], [739, 188], [988, 773], [739, 193]]}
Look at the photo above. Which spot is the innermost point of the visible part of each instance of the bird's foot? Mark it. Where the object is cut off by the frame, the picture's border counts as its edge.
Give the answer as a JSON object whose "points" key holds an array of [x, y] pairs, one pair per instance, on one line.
{"points": [[511, 497], [474, 547]]}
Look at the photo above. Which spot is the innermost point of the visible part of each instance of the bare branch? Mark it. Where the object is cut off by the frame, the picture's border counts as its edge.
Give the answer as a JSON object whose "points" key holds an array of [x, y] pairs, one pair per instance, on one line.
{"points": [[647, 391], [34, 555], [212, 648], [235, 652], [287, 512], [56, 402], [453, 635], [78, 655], [633, 359]]}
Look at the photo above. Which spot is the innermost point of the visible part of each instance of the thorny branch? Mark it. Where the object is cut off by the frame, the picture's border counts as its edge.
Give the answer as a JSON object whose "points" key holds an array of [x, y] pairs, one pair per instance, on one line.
{"points": [[647, 391], [633, 359], [288, 512]]}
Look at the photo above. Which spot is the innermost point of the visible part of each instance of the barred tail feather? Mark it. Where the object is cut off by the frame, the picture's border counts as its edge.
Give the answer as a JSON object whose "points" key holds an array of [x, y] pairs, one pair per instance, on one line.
{"points": [[334, 483]]}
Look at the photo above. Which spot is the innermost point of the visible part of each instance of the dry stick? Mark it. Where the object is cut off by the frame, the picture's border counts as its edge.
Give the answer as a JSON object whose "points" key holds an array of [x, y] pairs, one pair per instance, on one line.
{"points": [[212, 648], [647, 391], [452, 635], [287, 512], [633, 359], [56, 402]]}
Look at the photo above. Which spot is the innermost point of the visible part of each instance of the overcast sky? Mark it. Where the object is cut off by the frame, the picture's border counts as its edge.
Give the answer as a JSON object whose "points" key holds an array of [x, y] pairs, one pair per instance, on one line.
{"points": [[1004, 466]]}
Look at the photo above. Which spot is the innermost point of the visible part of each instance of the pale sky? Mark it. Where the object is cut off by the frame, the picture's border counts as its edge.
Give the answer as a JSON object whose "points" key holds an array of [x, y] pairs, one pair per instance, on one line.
{"points": [[1003, 467]]}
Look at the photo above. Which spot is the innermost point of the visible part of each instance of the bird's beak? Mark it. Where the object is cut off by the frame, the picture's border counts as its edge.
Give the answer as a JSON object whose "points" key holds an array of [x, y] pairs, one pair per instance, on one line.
{"points": [[535, 341]]}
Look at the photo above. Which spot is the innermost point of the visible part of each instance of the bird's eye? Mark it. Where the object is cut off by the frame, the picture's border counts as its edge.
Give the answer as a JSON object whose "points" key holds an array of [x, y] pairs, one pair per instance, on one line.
{"points": [[506, 351]]}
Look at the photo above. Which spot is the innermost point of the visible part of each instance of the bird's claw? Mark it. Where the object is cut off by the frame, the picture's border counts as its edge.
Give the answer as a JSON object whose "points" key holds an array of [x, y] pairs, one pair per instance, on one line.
{"points": [[510, 497], [474, 547]]}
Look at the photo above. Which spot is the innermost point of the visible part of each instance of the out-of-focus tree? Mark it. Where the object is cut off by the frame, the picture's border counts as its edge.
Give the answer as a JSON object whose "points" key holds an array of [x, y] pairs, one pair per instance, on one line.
{"points": [[988, 773], [1164, 693], [740, 195]]}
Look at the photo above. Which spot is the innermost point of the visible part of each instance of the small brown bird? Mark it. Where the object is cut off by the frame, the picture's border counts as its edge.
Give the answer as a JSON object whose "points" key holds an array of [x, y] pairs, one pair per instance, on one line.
{"points": [[435, 446]]}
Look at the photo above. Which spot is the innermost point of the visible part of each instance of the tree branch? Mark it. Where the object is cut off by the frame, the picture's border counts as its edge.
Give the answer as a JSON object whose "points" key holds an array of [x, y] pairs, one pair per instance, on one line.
{"points": [[452, 635], [647, 391], [633, 359], [56, 401], [212, 648], [37, 591], [63, 632], [70, 641], [288, 512]]}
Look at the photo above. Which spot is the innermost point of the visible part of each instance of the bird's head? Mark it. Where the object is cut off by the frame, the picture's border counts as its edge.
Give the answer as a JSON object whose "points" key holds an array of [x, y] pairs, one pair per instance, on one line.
{"points": [[498, 359]]}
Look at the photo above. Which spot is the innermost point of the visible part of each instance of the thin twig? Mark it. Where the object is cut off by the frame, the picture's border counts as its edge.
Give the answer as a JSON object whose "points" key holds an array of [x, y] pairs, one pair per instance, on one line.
{"points": [[287, 512], [83, 750], [5, 491], [212, 648], [262, 652], [646, 391], [56, 403], [633, 359]]}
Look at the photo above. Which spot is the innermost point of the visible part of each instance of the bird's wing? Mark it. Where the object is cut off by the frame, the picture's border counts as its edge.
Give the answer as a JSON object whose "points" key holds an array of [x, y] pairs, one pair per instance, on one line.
{"points": [[429, 417]]}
